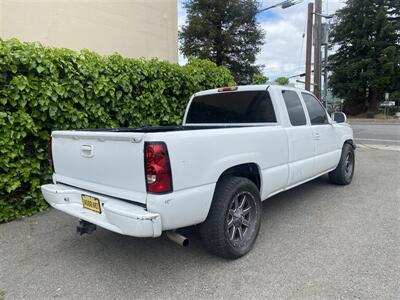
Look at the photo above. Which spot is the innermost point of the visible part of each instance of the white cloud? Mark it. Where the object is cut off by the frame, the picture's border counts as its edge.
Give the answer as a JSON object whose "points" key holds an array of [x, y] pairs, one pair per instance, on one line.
{"points": [[283, 53], [181, 15], [283, 46], [181, 21]]}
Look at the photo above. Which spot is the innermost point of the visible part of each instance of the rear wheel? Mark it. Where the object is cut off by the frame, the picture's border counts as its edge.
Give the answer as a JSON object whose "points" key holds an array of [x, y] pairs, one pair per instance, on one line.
{"points": [[343, 174], [233, 223]]}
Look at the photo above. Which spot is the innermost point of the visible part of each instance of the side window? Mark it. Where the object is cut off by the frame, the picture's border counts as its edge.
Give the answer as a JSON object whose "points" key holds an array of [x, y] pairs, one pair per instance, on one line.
{"points": [[294, 108], [315, 110]]}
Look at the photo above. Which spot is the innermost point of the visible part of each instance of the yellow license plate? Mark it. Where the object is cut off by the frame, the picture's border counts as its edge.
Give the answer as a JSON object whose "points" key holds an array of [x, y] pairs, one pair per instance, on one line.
{"points": [[91, 203]]}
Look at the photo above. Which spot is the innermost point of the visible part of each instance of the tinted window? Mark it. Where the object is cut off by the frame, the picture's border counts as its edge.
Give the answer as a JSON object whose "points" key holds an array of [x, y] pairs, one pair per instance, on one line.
{"points": [[232, 107], [315, 110], [294, 108]]}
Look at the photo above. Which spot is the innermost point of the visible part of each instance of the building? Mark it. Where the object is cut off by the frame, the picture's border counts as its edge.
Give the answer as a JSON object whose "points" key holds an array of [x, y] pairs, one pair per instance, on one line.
{"points": [[133, 28]]}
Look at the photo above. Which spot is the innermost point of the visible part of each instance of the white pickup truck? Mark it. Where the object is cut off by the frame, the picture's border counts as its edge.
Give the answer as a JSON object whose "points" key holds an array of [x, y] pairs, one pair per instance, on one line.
{"points": [[237, 146]]}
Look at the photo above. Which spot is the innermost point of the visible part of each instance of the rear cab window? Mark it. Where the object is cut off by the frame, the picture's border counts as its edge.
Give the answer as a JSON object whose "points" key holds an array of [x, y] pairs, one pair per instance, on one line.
{"points": [[294, 108], [232, 107], [316, 112]]}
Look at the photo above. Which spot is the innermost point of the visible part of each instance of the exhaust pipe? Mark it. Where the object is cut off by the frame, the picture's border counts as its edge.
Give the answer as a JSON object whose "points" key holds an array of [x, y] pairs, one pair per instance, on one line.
{"points": [[178, 238]]}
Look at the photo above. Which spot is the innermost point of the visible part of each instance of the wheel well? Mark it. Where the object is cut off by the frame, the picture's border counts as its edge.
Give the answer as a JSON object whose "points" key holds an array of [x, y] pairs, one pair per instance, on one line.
{"points": [[248, 170], [351, 143]]}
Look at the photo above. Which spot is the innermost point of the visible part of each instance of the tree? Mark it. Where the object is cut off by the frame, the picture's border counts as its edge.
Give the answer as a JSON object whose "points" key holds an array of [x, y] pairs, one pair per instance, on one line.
{"points": [[226, 32], [367, 62], [259, 79], [282, 80]]}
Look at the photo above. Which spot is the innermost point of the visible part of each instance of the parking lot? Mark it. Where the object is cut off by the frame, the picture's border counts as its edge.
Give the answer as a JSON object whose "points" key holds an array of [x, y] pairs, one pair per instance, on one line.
{"points": [[317, 241]]}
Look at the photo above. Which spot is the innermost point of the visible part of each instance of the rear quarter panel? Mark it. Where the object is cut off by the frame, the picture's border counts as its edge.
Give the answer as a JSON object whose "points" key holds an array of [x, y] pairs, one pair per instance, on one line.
{"points": [[199, 157]]}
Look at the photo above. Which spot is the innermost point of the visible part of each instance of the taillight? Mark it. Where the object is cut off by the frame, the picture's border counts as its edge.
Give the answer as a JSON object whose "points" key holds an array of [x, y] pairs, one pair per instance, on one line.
{"points": [[157, 168], [228, 89]]}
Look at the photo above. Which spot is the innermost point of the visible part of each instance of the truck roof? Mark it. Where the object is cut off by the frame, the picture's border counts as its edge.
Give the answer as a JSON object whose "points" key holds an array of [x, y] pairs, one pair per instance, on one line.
{"points": [[258, 87]]}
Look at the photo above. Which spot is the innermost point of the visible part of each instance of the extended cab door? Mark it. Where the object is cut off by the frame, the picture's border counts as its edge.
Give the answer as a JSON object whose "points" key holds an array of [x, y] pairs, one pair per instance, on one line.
{"points": [[325, 135], [300, 139]]}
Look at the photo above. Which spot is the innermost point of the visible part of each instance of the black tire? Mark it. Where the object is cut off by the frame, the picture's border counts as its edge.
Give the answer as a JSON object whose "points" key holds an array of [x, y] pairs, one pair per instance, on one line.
{"points": [[231, 228], [343, 174]]}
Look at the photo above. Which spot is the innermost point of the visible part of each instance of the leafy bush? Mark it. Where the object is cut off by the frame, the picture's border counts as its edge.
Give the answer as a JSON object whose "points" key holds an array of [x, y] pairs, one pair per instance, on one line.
{"points": [[44, 89], [259, 79], [282, 80]]}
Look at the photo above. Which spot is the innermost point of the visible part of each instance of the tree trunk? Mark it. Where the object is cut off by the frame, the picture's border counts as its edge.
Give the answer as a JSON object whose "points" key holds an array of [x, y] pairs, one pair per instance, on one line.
{"points": [[373, 102], [219, 46]]}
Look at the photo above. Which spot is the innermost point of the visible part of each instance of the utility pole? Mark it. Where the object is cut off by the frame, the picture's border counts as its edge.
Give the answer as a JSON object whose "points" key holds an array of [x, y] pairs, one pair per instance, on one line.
{"points": [[325, 27], [325, 97], [325, 42], [309, 45], [317, 49]]}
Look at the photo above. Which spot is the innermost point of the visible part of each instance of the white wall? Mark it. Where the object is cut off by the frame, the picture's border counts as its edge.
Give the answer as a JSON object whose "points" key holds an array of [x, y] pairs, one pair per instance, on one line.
{"points": [[133, 28]]}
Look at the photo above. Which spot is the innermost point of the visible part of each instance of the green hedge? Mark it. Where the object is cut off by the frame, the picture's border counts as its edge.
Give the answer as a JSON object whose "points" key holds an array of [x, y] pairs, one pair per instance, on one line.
{"points": [[43, 89]]}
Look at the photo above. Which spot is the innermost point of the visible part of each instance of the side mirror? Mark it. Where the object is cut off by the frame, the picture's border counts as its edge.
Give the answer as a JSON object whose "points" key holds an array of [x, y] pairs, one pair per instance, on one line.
{"points": [[339, 117]]}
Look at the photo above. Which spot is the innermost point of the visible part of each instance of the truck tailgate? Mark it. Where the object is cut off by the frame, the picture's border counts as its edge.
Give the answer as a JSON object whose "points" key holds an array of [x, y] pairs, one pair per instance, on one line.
{"points": [[110, 163]]}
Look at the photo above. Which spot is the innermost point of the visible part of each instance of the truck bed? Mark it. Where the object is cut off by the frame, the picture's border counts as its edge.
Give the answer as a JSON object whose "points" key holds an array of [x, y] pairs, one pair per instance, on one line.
{"points": [[152, 129]]}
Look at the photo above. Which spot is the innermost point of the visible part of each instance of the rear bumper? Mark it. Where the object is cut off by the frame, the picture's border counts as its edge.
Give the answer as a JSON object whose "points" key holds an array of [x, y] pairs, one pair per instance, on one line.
{"points": [[116, 215]]}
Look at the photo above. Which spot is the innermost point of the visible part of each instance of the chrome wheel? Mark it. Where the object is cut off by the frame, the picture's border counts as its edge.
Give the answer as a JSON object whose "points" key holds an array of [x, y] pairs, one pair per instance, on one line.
{"points": [[240, 219], [349, 164]]}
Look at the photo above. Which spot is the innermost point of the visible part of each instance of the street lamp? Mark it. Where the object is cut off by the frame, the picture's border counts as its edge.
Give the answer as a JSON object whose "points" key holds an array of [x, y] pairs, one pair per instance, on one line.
{"points": [[283, 5], [324, 16]]}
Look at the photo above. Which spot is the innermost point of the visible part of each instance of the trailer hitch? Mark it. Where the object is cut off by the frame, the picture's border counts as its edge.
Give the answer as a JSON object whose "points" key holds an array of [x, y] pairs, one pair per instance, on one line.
{"points": [[85, 227]]}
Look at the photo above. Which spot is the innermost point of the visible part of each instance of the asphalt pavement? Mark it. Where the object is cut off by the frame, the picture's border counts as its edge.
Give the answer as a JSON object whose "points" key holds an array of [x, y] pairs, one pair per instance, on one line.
{"points": [[376, 133], [317, 241]]}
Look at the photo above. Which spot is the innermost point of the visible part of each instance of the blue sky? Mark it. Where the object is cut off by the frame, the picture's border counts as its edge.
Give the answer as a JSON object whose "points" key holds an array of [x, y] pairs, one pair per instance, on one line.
{"points": [[283, 53]]}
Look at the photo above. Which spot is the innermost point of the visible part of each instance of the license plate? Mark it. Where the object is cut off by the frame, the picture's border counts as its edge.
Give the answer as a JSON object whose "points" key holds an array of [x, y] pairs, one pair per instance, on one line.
{"points": [[91, 203]]}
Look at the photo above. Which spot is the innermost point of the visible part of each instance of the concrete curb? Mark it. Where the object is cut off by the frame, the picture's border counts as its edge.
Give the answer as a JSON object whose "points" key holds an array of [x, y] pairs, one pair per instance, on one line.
{"points": [[379, 147], [374, 121]]}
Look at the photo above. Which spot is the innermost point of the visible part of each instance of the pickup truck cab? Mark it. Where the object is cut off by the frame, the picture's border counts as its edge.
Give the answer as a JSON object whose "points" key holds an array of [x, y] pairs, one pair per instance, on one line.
{"points": [[237, 146]]}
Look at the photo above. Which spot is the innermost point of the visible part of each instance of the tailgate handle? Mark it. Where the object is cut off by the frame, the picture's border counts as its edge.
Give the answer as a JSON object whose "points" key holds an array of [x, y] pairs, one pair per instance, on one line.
{"points": [[87, 150]]}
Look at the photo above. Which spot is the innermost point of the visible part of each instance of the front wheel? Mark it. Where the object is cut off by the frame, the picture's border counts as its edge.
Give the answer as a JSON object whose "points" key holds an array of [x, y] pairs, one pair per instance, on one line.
{"points": [[233, 223], [343, 174]]}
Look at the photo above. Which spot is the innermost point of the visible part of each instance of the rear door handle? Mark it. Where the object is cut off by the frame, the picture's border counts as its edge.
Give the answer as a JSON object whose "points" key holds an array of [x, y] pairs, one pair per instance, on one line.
{"points": [[316, 136]]}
